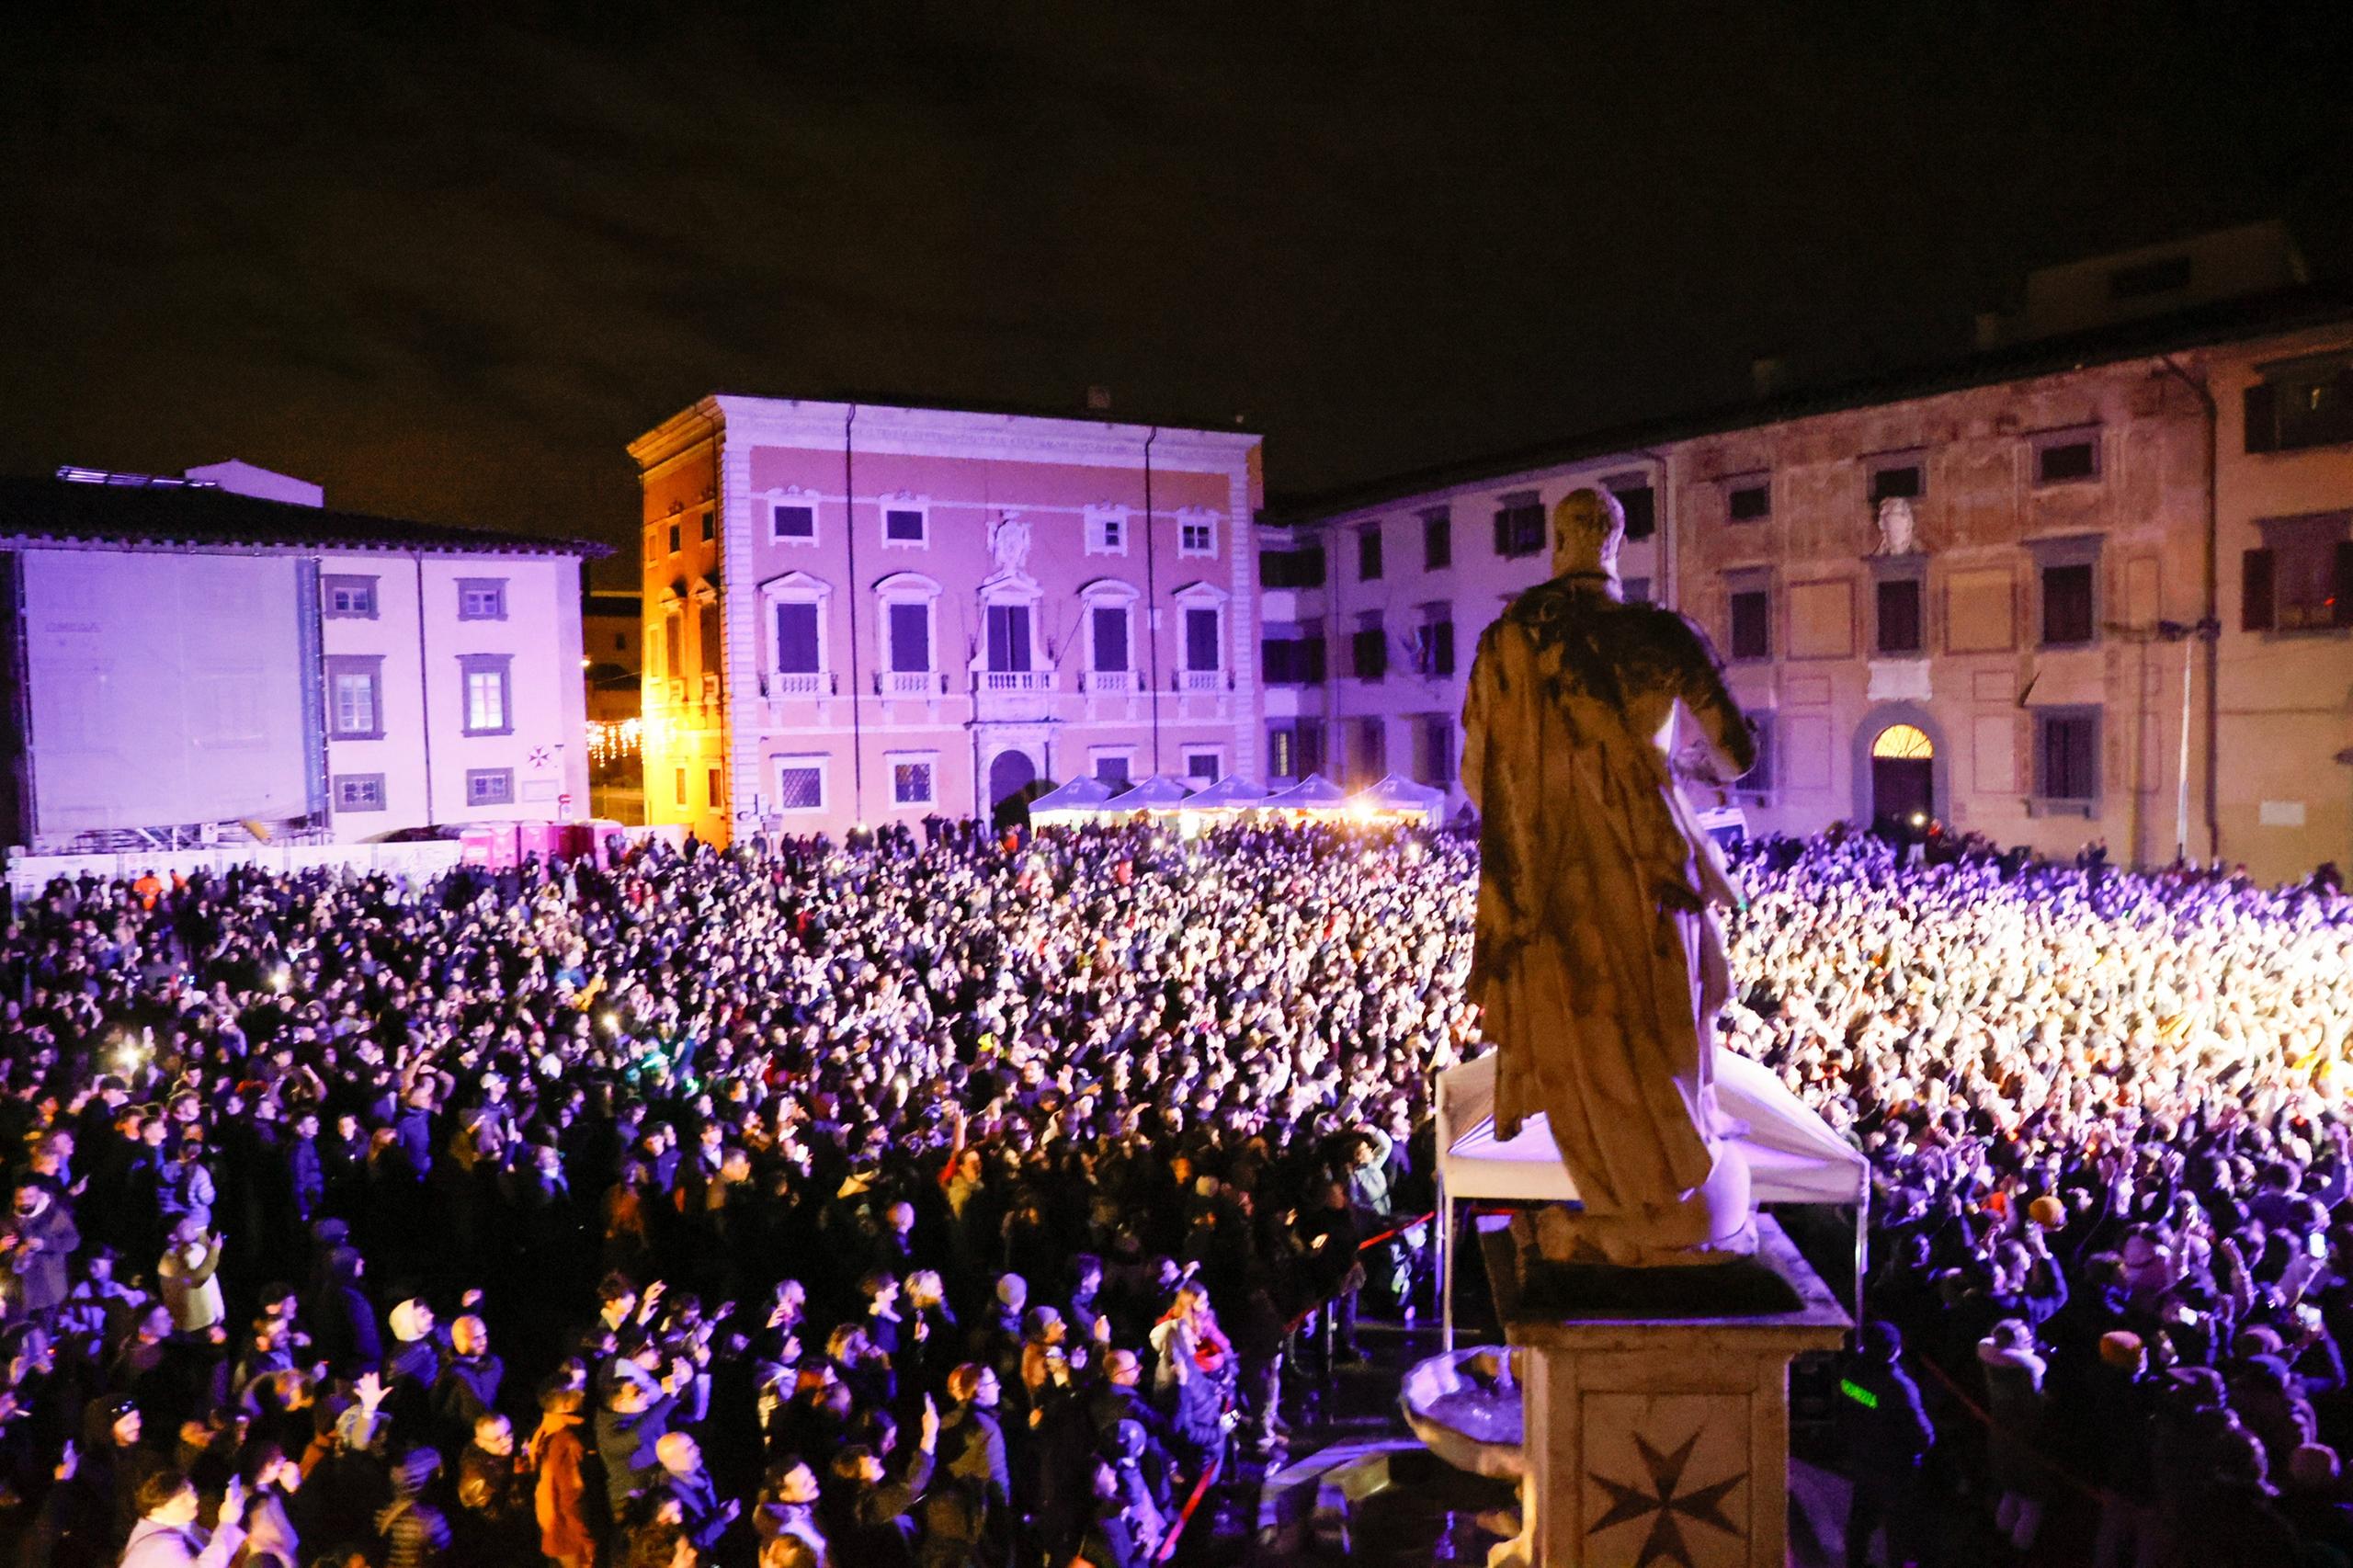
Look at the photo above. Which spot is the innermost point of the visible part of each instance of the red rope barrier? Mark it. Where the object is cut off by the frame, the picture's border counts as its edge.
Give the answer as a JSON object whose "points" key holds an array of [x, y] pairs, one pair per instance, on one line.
{"points": [[1185, 1514]]}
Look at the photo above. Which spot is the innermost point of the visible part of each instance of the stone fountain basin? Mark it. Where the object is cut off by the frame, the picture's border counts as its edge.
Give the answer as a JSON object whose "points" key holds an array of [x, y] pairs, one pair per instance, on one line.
{"points": [[1465, 1407]]}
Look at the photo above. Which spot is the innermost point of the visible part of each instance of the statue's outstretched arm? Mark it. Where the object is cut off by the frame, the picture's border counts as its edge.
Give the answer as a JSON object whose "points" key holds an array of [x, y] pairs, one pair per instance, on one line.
{"points": [[1726, 727]]}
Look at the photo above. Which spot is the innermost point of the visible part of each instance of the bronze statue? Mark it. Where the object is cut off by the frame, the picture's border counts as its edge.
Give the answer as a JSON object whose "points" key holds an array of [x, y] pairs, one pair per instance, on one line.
{"points": [[1599, 965]]}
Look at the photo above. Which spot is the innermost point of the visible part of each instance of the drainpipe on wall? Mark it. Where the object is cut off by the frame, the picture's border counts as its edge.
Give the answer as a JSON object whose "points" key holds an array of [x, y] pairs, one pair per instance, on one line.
{"points": [[2209, 628], [857, 709], [1152, 597], [423, 689]]}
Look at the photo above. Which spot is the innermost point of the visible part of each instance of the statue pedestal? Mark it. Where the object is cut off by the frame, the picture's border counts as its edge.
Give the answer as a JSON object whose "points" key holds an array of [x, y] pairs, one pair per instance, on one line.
{"points": [[1654, 1434]]}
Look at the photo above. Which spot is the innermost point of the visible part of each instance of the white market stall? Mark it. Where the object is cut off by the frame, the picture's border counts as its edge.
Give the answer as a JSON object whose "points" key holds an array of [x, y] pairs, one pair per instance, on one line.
{"points": [[1158, 793], [1313, 795], [1230, 793], [1079, 801], [1399, 797], [1793, 1156]]}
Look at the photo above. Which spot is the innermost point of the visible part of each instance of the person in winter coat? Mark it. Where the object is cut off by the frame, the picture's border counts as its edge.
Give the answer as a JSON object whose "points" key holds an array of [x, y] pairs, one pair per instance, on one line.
{"points": [[468, 1388], [166, 1536], [1884, 1430], [559, 1497], [2014, 1401], [186, 1276], [36, 1247], [415, 1532], [343, 1319]]}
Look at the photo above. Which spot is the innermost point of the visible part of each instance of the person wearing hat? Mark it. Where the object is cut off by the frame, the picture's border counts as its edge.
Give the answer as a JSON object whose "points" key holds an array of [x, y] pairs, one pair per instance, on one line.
{"points": [[414, 1532], [1884, 1432], [188, 1275]]}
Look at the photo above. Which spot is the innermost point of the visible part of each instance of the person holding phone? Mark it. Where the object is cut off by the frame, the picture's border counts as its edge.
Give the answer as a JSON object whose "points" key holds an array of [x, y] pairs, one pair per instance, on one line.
{"points": [[167, 1535]]}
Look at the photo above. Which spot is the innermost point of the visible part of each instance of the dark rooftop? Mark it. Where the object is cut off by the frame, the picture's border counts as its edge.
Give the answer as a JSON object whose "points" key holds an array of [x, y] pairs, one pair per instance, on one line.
{"points": [[2227, 320], [204, 516]]}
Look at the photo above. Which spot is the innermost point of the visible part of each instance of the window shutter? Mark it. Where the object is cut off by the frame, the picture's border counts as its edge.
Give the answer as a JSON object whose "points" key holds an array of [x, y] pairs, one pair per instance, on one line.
{"points": [[2255, 591], [2262, 419], [2340, 601]]}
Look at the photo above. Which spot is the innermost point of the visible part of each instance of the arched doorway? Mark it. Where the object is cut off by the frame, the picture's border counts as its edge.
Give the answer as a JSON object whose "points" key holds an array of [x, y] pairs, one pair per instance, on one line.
{"points": [[1904, 777], [1010, 773]]}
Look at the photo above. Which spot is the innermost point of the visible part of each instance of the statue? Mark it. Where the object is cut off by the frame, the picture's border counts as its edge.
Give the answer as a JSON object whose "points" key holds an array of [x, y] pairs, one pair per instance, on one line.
{"points": [[1895, 527], [1009, 544], [1599, 965]]}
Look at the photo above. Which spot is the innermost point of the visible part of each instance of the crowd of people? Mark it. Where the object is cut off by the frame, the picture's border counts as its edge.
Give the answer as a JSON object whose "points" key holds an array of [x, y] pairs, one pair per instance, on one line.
{"points": [[947, 1199]]}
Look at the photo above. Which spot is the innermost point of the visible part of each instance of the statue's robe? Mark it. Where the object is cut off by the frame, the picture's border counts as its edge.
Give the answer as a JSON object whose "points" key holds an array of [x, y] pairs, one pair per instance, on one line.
{"points": [[1599, 965]]}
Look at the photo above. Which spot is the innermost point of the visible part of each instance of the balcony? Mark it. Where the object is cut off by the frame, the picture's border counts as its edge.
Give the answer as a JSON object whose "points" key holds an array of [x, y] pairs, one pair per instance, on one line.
{"points": [[1013, 680], [1203, 683], [1110, 683], [910, 683], [802, 683]]}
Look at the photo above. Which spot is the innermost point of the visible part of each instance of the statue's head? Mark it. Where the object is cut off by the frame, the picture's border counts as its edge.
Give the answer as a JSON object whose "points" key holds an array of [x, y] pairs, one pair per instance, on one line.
{"points": [[1587, 527]]}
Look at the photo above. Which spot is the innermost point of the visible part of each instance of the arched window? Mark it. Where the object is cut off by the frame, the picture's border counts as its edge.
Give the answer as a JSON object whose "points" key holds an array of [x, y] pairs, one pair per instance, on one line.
{"points": [[1904, 743]]}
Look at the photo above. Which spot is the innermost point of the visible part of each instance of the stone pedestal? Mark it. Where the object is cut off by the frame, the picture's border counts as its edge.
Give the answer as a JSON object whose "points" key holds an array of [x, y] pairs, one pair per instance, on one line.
{"points": [[1655, 1437]]}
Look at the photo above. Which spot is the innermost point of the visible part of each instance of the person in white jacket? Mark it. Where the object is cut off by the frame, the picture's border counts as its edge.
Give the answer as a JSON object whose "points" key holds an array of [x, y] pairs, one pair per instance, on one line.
{"points": [[167, 1535], [188, 1274]]}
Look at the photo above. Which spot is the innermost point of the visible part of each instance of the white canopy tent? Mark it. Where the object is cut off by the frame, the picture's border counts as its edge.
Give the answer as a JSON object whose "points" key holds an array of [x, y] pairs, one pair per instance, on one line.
{"points": [[1312, 793], [1077, 800], [1158, 793], [1394, 796], [1230, 793], [1793, 1156]]}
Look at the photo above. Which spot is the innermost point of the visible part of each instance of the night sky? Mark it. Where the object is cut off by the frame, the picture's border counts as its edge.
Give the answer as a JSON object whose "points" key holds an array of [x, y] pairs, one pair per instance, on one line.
{"points": [[448, 266]]}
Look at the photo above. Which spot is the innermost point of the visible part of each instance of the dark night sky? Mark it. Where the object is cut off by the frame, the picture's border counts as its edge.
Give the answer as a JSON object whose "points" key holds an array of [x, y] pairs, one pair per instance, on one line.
{"points": [[449, 267]]}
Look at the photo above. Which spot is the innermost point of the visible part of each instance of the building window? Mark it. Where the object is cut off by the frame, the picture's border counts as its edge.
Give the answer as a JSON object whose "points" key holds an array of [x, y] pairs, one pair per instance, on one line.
{"points": [[1114, 766], [486, 707], [673, 643], [1300, 567], [707, 636], [801, 784], [490, 785], [1196, 532], [905, 523], [482, 598], [1434, 644], [1638, 590], [1203, 645], [710, 523], [1282, 753], [354, 697], [1106, 531], [1437, 539], [798, 651], [910, 638], [793, 522], [1009, 627], [1520, 525], [913, 781], [2066, 756], [1369, 750], [1638, 502], [711, 788], [1108, 637], [2301, 578], [678, 540], [1434, 751], [1758, 780], [2066, 457], [1206, 767], [1748, 500], [1369, 649], [1292, 655], [1900, 631], [2300, 405], [359, 791], [349, 598], [679, 792], [1369, 553], [1752, 624], [2068, 604], [1902, 479]]}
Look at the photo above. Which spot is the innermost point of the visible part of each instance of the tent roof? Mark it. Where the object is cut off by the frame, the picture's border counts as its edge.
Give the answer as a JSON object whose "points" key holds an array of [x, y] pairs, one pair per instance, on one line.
{"points": [[1084, 793], [1154, 793], [1312, 793], [1793, 1156], [1399, 794], [1231, 793]]}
